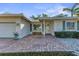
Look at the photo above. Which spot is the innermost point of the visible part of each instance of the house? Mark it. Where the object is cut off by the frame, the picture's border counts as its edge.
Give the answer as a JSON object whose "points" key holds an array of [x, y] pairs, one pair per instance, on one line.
{"points": [[12, 23], [50, 25]]}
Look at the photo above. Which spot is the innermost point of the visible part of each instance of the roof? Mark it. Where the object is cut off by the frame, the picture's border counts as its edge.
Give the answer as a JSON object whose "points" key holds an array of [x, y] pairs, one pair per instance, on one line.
{"points": [[9, 14], [14, 15], [58, 18], [35, 20]]}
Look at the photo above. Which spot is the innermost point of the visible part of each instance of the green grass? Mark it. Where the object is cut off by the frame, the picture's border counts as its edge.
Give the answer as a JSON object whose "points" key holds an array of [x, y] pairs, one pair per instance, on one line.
{"points": [[54, 53]]}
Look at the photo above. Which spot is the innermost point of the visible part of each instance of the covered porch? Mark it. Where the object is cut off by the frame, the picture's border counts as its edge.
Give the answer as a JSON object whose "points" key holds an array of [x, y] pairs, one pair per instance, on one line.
{"points": [[43, 27]]}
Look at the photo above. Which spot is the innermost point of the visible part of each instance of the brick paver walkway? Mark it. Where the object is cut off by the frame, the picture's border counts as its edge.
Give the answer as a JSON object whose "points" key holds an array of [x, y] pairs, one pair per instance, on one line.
{"points": [[33, 43]]}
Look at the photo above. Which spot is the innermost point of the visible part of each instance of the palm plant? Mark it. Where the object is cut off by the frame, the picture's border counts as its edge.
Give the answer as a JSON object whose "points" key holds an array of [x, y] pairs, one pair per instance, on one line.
{"points": [[61, 15], [73, 10], [77, 11], [34, 17], [38, 16], [44, 15]]}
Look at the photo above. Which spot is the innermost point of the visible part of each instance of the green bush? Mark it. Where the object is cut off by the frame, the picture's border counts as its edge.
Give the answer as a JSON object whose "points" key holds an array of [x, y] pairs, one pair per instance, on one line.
{"points": [[67, 34], [16, 35], [45, 53], [77, 34]]}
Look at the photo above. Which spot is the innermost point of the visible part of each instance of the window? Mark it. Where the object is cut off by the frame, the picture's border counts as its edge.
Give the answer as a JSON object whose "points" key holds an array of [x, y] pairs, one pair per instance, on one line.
{"points": [[70, 25], [30, 27]]}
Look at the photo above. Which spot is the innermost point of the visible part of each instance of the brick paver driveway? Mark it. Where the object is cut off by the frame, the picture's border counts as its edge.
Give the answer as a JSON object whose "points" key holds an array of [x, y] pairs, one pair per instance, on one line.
{"points": [[33, 43]]}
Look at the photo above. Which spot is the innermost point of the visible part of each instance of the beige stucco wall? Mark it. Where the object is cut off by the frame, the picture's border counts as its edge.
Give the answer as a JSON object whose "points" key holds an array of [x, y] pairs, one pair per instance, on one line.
{"points": [[71, 21], [9, 19], [24, 28], [14, 24], [50, 24], [58, 25], [52, 27], [8, 25]]}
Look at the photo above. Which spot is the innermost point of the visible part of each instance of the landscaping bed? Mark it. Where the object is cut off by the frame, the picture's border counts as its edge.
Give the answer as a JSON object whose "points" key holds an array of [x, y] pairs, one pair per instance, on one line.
{"points": [[67, 34], [54, 53], [36, 33]]}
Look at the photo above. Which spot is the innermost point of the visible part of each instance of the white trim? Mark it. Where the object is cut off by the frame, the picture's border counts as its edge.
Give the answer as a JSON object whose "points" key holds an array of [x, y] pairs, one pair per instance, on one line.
{"points": [[70, 29], [76, 25], [44, 28]]}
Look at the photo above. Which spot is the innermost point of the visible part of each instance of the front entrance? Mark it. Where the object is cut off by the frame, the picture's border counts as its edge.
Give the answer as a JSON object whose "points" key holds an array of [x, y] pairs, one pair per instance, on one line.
{"points": [[47, 28], [37, 28]]}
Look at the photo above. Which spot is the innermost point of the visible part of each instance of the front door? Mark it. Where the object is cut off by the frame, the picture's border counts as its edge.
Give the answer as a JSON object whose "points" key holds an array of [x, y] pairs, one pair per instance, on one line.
{"points": [[47, 28]]}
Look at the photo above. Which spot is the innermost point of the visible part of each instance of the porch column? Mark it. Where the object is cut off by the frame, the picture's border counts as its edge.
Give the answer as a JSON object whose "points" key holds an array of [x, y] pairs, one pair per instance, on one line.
{"points": [[32, 27], [18, 26], [44, 27], [76, 26]]}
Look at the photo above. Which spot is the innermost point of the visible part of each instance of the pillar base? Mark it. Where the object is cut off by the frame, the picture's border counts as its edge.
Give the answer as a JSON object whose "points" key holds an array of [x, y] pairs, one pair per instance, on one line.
{"points": [[43, 34]]}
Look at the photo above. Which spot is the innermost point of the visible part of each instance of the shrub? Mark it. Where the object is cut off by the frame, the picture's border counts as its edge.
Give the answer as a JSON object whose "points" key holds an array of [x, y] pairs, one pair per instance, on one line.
{"points": [[67, 34], [45, 53], [77, 34], [16, 35]]}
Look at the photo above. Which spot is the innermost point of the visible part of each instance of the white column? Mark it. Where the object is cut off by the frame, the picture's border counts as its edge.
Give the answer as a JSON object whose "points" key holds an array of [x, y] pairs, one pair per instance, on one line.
{"points": [[76, 25], [44, 27], [42, 30], [41, 27]]}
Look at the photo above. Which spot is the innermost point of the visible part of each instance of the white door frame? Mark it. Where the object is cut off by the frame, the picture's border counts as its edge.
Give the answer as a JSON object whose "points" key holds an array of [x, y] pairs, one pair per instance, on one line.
{"points": [[48, 28], [44, 28]]}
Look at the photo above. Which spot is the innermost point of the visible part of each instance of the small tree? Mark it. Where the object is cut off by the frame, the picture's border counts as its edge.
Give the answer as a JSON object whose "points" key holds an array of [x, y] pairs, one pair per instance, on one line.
{"points": [[35, 17], [44, 15], [16, 36], [72, 10]]}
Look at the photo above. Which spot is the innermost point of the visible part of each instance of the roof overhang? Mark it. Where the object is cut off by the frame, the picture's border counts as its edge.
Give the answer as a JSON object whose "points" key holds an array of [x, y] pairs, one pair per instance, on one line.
{"points": [[58, 18], [15, 15], [35, 21]]}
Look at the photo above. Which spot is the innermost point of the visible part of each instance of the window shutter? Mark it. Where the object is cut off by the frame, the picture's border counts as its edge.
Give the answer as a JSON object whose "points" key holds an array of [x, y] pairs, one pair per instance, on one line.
{"points": [[63, 25], [30, 27], [77, 25]]}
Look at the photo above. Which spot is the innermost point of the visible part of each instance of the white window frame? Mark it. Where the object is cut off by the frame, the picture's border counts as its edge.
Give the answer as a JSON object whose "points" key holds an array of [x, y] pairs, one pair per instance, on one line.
{"points": [[67, 27]]}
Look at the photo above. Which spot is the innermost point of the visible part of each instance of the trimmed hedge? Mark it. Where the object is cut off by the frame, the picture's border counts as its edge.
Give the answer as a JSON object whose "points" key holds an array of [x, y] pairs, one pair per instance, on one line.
{"points": [[67, 34], [45, 53]]}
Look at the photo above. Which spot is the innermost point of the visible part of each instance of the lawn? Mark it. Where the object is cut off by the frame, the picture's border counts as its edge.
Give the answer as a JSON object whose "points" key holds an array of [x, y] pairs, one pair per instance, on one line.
{"points": [[54, 53]]}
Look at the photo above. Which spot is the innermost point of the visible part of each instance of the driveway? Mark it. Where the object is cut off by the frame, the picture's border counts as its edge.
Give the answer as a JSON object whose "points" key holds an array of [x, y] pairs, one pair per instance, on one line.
{"points": [[72, 43], [38, 43]]}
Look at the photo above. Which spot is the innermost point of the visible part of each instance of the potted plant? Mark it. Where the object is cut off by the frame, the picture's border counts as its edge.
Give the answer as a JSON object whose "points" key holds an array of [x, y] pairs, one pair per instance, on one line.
{"points": [[16, 36]]}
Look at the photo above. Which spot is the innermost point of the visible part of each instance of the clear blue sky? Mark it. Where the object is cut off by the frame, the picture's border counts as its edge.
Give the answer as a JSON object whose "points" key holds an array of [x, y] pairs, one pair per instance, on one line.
{"points": [[34, 8]]}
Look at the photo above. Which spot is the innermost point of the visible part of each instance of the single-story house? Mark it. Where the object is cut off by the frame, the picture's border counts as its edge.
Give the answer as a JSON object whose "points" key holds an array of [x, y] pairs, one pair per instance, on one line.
{"points": [[50, 25], [12, 23]]}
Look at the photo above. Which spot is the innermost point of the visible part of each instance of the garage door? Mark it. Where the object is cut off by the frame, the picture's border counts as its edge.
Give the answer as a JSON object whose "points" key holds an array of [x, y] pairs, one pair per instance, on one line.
{"points": [[7, 29]]}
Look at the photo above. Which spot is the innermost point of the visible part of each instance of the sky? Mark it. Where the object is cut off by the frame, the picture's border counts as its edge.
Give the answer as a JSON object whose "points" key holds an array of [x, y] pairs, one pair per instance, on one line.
{"points": [[29, 9]]}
